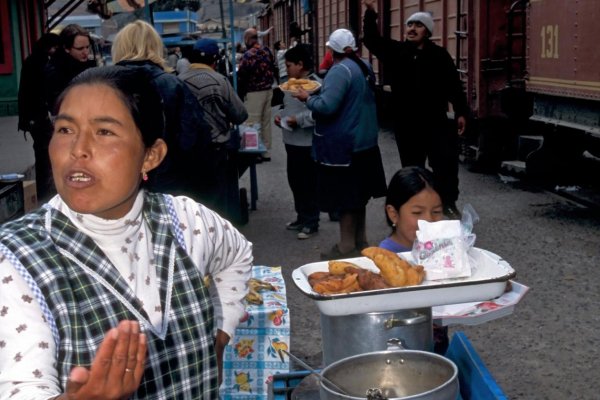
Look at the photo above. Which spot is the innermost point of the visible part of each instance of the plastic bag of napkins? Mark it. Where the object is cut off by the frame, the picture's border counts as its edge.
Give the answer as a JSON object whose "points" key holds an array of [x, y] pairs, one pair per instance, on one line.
{"points": [[442, 247]]}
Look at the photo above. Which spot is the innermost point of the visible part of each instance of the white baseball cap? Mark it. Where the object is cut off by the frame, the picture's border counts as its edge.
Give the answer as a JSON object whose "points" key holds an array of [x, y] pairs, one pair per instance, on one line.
{"points": [[340, 39]]}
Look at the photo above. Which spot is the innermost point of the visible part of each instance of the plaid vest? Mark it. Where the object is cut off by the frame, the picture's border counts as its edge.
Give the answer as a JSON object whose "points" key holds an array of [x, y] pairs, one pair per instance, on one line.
{"points": [[82, 296]]}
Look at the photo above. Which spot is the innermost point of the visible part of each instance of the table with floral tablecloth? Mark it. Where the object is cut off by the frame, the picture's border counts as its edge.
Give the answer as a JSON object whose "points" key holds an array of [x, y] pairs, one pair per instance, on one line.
{"points": [[251, 359]]}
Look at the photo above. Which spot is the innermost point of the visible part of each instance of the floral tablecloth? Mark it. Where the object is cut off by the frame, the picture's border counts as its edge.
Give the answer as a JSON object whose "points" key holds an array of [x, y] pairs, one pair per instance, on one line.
{"points": [[251, 359]]}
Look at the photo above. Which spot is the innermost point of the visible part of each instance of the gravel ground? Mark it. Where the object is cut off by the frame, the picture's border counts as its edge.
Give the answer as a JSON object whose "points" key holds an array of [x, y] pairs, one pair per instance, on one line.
{"points": [[547, 349]]}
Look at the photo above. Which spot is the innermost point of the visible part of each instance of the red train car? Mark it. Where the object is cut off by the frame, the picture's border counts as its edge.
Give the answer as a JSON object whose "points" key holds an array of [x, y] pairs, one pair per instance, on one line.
{"points": [[530, 67], [564, 78]]}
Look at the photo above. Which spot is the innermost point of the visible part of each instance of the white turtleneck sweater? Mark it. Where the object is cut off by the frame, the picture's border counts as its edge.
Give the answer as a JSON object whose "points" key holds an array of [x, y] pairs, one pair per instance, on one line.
{"points": [[27, 349]]}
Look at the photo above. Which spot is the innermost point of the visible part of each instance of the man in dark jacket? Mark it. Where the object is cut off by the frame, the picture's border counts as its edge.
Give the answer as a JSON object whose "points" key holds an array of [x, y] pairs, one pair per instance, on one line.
{"points": [[33, 110], [222, 109], [424, 80]]}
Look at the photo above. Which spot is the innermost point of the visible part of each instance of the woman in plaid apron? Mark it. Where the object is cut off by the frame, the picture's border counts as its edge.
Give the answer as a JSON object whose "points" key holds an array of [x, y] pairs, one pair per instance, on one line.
{"points": [[109, 291]]}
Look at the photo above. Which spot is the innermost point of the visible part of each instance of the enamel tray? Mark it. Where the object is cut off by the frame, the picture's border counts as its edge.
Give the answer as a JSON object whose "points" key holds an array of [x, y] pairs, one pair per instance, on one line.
{"points": [[487, 281]]}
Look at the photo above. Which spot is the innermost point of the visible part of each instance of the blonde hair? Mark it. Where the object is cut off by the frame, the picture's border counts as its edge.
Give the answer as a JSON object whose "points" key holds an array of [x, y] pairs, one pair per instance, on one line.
{"points": [[139, 41]]}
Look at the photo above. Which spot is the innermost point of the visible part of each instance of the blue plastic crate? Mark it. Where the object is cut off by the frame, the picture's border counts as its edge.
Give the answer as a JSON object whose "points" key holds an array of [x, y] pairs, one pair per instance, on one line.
{"points": [[476, 381]]}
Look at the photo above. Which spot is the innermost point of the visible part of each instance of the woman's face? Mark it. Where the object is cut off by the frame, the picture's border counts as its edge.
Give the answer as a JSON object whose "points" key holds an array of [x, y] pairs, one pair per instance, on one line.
{"points": [[425, 205], [81, 48], [97, 153]]}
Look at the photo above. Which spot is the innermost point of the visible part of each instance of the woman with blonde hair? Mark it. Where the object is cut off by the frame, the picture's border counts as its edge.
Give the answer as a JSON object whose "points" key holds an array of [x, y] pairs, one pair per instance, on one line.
{"points": [[139, 41], [137, 45]]}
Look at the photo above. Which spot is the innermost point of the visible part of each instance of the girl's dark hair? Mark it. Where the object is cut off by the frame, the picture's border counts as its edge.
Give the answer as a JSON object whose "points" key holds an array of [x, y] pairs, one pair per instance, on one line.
{"points": [[135, 90], [277, 45], [300, 52], [406, 183]]}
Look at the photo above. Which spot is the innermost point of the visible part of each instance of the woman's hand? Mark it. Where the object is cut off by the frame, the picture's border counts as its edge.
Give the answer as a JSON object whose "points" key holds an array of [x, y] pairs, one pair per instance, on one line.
{"points": [[117, 369], [370, 4], [301, 94], [221, 341]]}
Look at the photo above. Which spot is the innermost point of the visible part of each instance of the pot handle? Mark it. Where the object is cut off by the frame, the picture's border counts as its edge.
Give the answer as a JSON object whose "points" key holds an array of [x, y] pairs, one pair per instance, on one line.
{"points": [[395, 322]]}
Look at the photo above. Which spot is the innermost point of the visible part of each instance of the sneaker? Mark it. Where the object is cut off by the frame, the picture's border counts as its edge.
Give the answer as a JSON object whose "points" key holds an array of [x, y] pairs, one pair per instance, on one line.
{"points": [[451, 212], [307, 232], [294, 226]]}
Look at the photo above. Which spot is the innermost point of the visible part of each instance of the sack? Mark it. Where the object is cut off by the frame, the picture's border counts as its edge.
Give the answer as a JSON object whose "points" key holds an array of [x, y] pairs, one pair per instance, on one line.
{"points": [[442, 247]]}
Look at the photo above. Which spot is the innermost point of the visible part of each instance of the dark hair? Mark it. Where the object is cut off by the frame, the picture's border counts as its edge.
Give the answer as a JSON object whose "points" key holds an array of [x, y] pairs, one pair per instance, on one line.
{"points": [[135, 90], [277, 45], [406, 183], [70, 32], [299, 53]]}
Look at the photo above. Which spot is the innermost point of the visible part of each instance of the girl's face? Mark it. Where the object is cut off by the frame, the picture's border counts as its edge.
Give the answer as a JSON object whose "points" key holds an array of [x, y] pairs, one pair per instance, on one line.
{"points": [[295, 70], [425, 205], [97, 152]]}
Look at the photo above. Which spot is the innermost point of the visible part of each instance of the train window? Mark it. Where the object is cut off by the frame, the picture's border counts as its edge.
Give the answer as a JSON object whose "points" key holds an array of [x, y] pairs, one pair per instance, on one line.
{"points": [[549, 34]]}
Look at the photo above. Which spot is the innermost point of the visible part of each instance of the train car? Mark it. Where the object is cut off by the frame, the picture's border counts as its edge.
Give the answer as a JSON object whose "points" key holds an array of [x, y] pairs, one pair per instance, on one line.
{"points": [[529, 69], [564, 79]]}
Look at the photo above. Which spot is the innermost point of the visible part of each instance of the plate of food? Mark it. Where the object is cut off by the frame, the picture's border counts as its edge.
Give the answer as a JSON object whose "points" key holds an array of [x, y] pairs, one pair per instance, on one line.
{"points": [[293, 84], [488, 280]]}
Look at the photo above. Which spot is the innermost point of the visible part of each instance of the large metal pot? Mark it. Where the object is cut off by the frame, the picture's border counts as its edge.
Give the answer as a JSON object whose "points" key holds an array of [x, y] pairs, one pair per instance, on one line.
{"points": [[399, 374], [349, 335]]}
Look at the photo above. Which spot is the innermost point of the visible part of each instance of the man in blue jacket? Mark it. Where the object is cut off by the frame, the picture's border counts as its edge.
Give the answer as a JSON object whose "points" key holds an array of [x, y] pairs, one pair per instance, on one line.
{"points": [[424, 80]]}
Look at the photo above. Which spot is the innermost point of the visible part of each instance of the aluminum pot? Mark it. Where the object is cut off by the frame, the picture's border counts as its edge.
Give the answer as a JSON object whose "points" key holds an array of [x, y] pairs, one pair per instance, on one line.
{"points": [[398, 374], [350, 335]]}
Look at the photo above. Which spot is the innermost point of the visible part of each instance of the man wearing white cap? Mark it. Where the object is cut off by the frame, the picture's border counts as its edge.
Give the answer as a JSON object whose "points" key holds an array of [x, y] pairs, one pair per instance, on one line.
{"points": [[424, 80]]}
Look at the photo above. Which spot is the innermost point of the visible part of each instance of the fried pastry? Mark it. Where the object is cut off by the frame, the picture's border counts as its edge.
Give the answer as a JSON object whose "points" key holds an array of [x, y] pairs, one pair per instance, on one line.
{"points": [[333, 284], [396, 271], [294, 84], [339, 267]]}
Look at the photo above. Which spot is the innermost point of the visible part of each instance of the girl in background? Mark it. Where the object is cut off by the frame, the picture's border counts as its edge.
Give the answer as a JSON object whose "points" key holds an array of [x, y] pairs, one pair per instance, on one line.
{"points": [[297, 137], [411, 196]]}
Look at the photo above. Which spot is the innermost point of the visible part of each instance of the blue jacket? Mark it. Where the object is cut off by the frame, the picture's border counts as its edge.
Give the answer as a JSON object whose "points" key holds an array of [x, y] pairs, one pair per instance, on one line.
{"points": [[345, 115]]}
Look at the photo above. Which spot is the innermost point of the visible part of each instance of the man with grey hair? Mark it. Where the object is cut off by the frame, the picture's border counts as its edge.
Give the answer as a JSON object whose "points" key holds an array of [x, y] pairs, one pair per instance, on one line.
{"points": [[255, 74], [424, 80]]}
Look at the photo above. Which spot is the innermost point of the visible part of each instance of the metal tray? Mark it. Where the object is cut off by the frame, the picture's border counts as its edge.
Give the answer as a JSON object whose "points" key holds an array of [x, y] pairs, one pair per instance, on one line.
{"points": [[488, 280]]}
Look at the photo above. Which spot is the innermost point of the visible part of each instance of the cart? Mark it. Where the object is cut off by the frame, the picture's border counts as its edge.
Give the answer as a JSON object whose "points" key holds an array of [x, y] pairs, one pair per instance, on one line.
{"points": [[476, 381]]}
